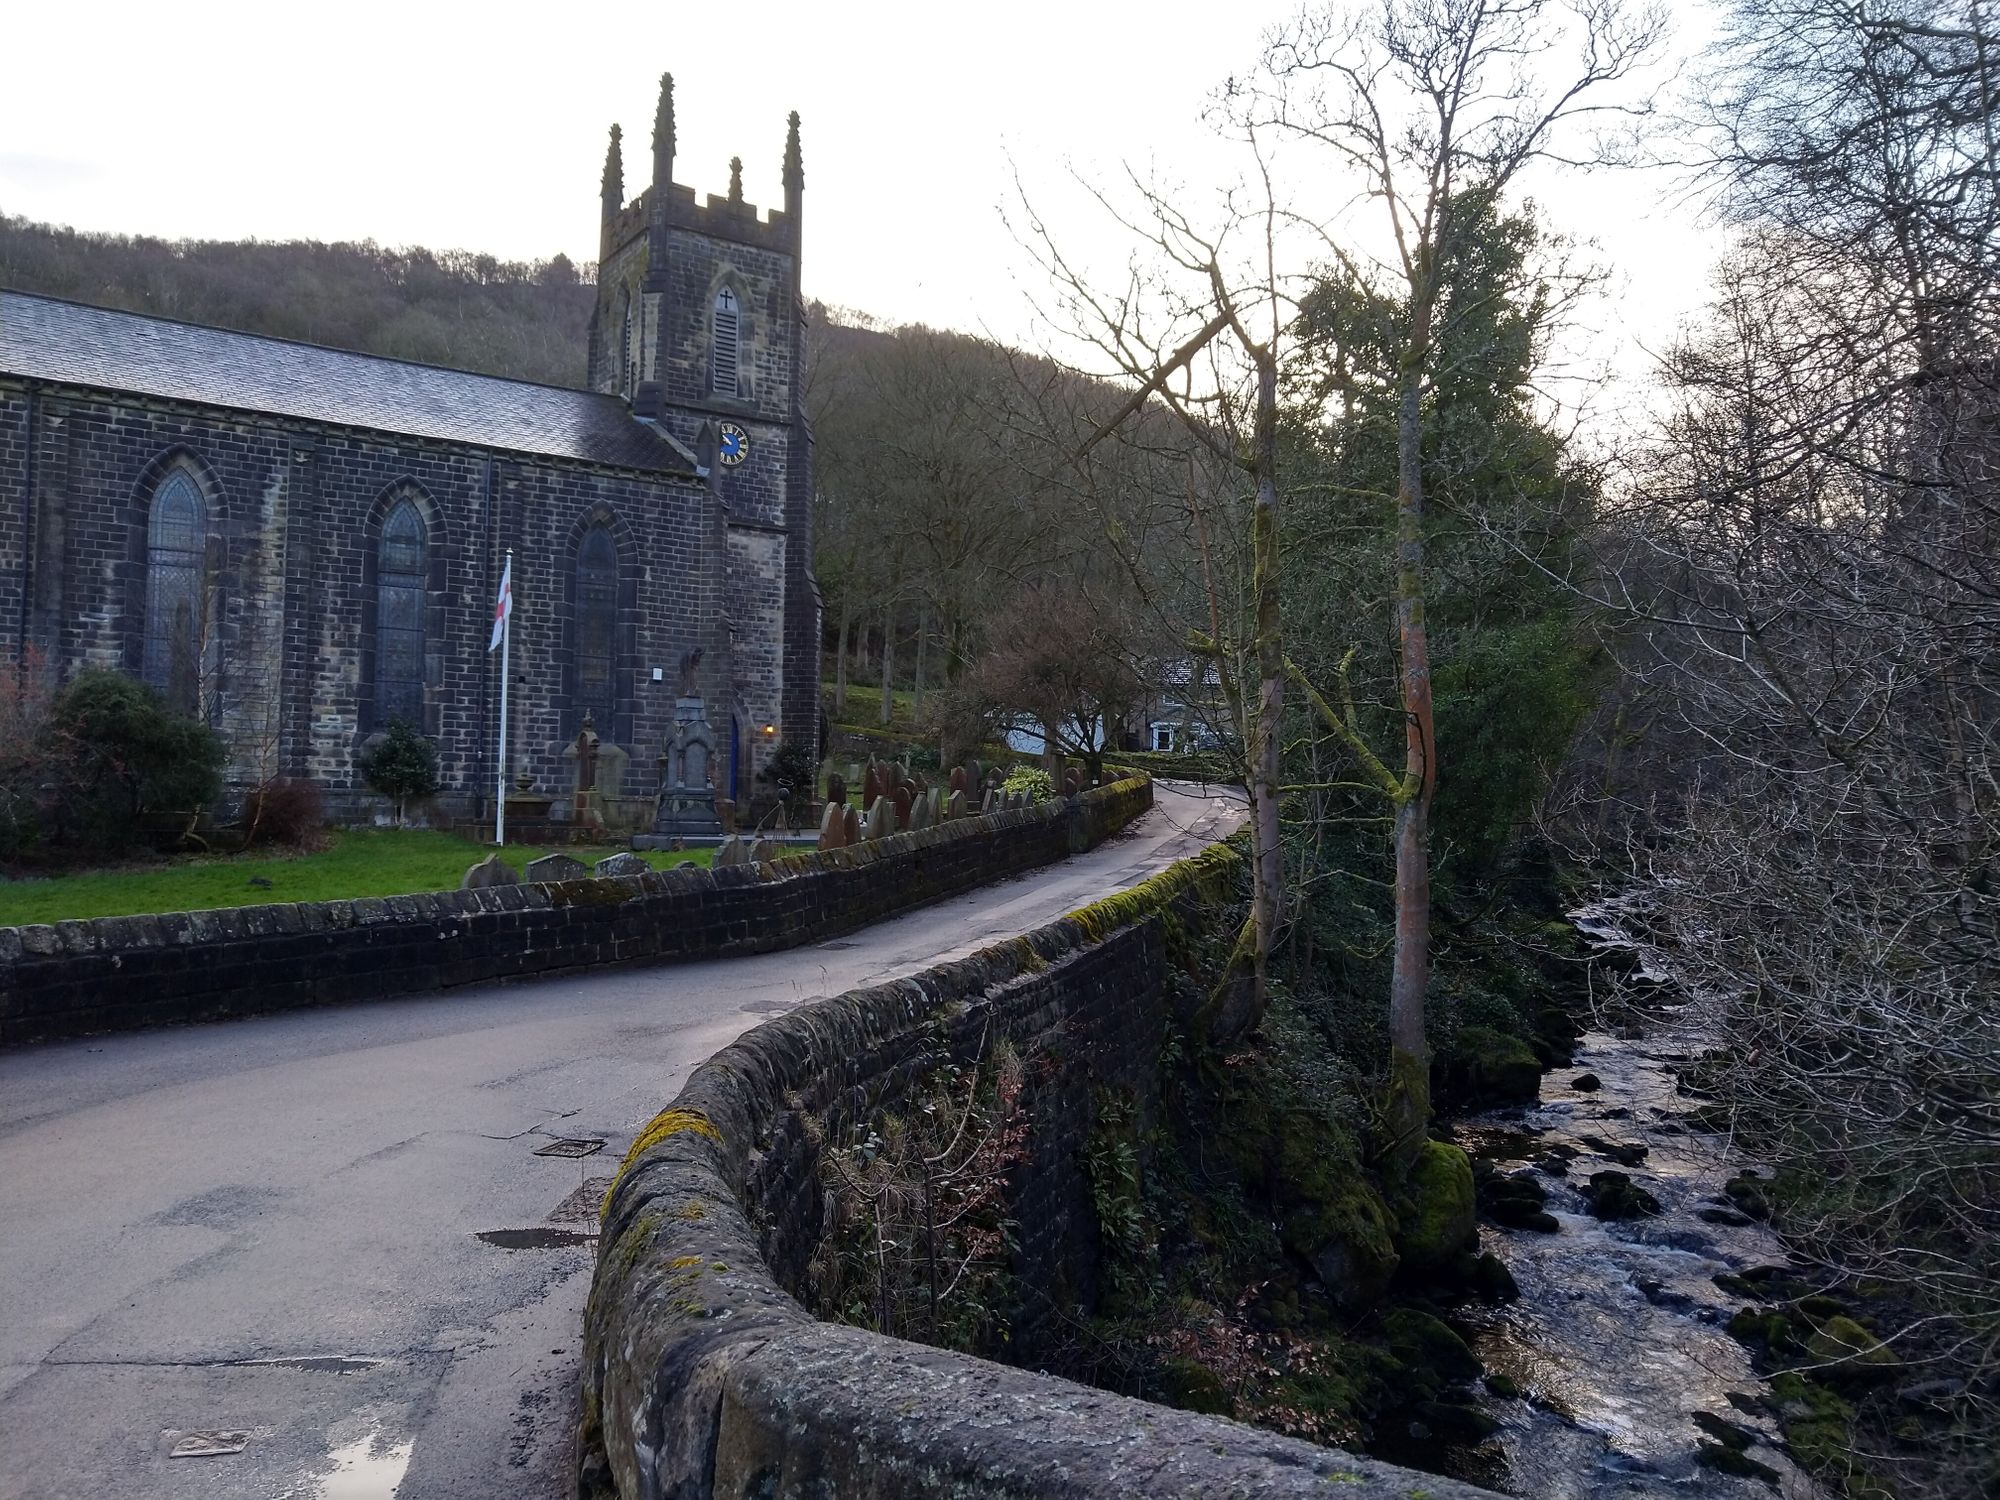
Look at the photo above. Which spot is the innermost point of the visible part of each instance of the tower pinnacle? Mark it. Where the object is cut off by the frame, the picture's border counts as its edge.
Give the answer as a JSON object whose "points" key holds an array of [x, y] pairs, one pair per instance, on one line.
{"points": [[614, 175], [663, 135], [735, 179], [795, 169]]}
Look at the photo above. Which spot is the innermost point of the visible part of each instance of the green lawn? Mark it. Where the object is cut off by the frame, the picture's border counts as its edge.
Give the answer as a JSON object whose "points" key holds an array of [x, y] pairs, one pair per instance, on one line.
{"points": [[378, 862]]}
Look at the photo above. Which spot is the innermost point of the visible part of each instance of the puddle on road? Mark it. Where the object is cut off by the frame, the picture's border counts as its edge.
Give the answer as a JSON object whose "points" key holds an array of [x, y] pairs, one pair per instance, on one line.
{"points": [[536, 1239], [366, 1469]]}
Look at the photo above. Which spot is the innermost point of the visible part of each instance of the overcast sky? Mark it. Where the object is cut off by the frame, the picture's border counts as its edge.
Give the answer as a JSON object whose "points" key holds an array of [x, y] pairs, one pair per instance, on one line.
{"points": [[483, 127]]}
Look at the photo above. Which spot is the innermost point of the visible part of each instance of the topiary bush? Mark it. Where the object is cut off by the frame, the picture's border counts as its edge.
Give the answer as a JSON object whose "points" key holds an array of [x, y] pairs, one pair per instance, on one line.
{"points": [[401, 765], [119, 753]]}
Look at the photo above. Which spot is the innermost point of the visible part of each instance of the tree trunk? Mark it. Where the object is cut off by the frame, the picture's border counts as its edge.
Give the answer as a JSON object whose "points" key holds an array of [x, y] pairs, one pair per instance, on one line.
{"points": [[1409, 1059], [840, 656], [1267, 722], [917, 696], [888, 664]]}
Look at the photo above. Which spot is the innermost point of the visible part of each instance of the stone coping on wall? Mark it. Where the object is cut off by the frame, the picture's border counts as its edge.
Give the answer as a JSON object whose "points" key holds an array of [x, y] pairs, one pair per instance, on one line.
{"points": [[116, 973], [704, 1378]]}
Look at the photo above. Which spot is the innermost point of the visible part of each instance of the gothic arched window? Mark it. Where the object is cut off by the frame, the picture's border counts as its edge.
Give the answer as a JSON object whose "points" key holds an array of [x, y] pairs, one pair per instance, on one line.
{"points": [[724, 344], [176, 557], [402, 580], [596, 623]]}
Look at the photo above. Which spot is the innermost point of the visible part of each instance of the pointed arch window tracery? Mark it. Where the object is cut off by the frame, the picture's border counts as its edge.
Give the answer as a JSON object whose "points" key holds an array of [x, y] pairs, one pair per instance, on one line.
{"points": [[176, 585], [402, 581]]}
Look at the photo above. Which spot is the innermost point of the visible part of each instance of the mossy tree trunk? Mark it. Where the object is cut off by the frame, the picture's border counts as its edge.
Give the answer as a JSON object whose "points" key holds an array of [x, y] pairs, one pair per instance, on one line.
{"points": [[1267, 722], [1409, 1081]]}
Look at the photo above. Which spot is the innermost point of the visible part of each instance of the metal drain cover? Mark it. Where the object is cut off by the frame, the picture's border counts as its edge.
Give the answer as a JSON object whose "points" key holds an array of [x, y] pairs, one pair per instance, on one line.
{"points": [[570, 1148]]}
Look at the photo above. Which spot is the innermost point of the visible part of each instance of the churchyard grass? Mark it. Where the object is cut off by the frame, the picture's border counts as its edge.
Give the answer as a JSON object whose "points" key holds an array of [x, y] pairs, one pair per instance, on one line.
{"points": [[864, 708], [373, 862]]}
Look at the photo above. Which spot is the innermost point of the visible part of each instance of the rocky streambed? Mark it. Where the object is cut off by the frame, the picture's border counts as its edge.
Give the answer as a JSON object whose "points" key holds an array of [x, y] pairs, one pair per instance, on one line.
{"points": [[1614, 1373]]}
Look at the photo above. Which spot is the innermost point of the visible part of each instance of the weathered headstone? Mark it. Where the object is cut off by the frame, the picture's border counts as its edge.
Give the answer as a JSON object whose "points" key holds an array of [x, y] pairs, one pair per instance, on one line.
{"points": [[725, 810], [934, 800], [958, 782], [833, 827], [850, 828], [920, 813], [836, 788], [490, 871], [871, 784], [881, 818], [956, 807], [554, 867], [990, 802], [975, 774], [903, 797], [731, 851], [765, 850], [621, 864]]}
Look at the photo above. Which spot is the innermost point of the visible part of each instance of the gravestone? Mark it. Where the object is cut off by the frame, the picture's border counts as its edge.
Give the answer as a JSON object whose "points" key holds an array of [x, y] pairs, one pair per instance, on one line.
{"points": [[765, 850], [489, 872], [934, 800], [554, 867], [725, 813], [881, 818], [920, 813], [975, 773], [903, 797], [836, 788], [850, 828], [731, 851], [955, 808], [833, 827], [958, 781], [871, 784], [990, 803], [620, 865]]}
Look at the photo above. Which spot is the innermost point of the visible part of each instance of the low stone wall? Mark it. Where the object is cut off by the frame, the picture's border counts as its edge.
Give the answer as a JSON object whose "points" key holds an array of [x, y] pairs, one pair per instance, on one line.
{"points": [[115, 973], [704, 1378]]}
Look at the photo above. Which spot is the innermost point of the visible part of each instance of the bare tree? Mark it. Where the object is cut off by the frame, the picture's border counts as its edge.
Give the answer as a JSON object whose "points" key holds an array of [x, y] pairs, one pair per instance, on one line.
{"points": [[1433, 108]]}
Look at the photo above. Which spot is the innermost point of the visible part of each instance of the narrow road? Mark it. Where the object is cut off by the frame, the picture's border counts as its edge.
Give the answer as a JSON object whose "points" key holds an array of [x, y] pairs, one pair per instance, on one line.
{"points": [[273, 1226]]}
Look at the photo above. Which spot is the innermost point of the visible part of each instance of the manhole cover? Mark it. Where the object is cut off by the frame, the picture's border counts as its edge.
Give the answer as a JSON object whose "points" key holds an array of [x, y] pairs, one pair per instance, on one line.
{"points": [[208, 1444], [570, 1148]]}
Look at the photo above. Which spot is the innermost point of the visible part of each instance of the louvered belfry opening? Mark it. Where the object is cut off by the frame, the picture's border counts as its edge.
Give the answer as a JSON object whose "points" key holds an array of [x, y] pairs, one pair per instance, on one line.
{"points": [[723, 348]]}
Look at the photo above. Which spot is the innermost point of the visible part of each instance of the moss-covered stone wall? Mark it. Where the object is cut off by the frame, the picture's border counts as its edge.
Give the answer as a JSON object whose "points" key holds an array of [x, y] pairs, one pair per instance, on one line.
{"points": [[706, 1376]]}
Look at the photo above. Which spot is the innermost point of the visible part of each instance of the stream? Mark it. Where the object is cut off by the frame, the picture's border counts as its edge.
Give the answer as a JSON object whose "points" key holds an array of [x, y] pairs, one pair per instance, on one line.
{"points": [[1620, 1334]]}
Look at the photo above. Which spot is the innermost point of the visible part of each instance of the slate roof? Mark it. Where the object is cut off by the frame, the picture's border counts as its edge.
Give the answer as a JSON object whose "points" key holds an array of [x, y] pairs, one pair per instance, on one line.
{"points": [[44, 338]]}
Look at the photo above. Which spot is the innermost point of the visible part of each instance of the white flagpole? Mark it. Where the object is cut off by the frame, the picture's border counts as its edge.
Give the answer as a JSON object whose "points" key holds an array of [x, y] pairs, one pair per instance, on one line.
{"points": [[506, 650]]}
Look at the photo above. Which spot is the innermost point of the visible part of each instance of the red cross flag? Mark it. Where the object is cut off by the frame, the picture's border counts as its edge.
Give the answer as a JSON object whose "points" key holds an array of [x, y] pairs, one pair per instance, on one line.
{"points": [[504, 605]]}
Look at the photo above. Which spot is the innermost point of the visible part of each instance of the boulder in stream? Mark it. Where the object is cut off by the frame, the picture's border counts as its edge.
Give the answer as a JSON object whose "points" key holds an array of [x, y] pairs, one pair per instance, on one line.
{"points": [[1613, 1195]]}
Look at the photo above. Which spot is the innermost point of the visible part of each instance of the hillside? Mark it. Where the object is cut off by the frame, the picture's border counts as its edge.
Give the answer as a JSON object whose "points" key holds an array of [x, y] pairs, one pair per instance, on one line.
{"points": [[528, 320]]}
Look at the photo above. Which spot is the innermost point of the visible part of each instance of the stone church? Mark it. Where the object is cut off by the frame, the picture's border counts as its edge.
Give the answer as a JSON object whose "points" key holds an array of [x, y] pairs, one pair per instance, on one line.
{"points": [[304, 544]]}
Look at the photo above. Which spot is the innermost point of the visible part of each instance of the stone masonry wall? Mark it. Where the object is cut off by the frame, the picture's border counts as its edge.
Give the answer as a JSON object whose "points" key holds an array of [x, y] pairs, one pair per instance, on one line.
{"points": [[117, 973], [704, 1378]]}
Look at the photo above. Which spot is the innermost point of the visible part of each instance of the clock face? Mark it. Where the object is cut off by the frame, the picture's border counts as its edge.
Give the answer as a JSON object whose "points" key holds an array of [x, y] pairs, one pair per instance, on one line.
{"points": [[735, 446]]}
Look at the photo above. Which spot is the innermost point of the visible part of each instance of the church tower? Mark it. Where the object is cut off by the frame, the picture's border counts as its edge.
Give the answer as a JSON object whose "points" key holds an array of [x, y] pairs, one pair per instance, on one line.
{"points": [[700, 327]]}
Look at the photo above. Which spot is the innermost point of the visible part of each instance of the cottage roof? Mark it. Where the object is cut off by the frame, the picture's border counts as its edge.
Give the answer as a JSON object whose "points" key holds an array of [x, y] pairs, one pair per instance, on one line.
{"points": [[45, 338]]}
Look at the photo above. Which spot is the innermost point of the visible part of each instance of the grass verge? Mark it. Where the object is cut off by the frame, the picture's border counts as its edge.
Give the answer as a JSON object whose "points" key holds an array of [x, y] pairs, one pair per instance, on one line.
{"points": [[358, 862]]}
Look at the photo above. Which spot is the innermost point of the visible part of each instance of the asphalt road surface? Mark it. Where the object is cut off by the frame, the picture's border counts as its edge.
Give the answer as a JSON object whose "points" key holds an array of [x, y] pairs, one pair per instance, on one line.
{"points": [[328, 1234]]}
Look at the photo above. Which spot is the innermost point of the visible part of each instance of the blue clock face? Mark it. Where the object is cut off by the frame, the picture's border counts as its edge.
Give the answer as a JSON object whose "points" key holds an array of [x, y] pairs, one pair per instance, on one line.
{"points": [[735, 446]]}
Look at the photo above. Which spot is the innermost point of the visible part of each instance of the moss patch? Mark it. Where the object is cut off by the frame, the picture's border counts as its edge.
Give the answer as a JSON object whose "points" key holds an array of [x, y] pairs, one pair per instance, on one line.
{"points": [[1438, 1218]]}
